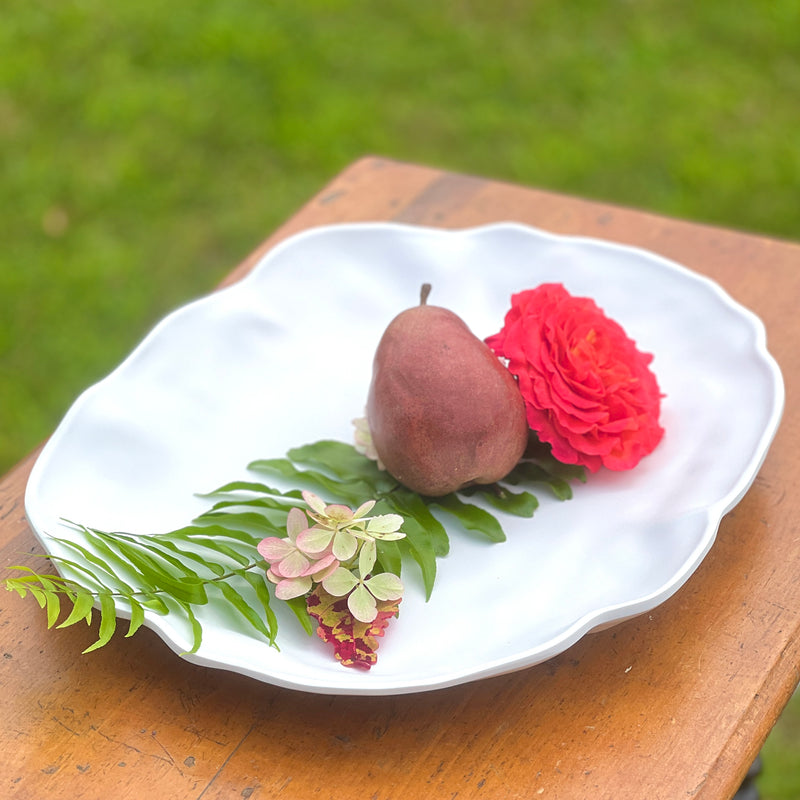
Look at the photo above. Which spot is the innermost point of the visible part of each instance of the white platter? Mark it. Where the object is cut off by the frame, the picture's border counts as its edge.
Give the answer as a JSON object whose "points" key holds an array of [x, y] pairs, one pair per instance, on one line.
{"points": [[284, 358]]}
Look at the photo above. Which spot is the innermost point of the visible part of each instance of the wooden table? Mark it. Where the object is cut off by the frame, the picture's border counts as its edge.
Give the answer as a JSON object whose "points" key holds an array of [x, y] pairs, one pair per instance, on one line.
{"points": [[673, 704]]}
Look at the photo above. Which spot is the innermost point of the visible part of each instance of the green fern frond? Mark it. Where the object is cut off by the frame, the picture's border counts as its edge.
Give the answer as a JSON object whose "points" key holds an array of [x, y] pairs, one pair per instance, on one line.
{"points": [[216, 555]]}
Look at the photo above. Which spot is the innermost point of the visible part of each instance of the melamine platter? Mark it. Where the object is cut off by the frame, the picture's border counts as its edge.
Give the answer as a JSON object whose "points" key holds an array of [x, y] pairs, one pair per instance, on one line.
{"points": [[284, 358]]}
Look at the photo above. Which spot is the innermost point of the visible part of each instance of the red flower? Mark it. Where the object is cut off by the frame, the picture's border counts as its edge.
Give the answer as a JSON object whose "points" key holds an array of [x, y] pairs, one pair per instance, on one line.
{"points": [[588, 391]]}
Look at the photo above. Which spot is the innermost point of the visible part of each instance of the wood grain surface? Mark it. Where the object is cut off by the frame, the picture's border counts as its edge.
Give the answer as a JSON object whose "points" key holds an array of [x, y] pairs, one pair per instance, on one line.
{"points": [[673, 704]]}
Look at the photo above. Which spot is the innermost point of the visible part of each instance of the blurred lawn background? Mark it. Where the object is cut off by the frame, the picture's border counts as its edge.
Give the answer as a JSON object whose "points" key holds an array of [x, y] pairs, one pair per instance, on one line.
{"points": [[147, 147]]}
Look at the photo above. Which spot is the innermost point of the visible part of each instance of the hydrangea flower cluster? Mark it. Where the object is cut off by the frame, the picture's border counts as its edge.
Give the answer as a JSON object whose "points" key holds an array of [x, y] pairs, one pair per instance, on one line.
{"points": [[335, 547]]}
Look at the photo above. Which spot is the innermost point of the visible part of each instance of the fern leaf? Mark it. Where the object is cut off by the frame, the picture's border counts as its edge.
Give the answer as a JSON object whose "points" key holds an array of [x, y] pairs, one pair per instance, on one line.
{"points": [[197, 630], [137, 617], [108, 621], [82, 605], [245, 609]]}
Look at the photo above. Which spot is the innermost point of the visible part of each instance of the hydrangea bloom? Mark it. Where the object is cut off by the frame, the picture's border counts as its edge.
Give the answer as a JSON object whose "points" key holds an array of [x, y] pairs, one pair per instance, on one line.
{"points": [[292, 570], [328, 556], [363, 590], [340, 528]]}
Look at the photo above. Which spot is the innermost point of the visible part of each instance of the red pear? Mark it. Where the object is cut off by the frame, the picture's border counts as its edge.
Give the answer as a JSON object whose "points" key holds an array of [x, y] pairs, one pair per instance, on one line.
{"points": [[443, 411]]}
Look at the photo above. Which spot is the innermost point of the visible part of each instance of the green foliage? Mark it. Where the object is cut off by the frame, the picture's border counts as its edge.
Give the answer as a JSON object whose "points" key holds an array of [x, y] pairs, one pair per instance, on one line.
{"points": [[170, 573], [339, 474], [216, 557]]}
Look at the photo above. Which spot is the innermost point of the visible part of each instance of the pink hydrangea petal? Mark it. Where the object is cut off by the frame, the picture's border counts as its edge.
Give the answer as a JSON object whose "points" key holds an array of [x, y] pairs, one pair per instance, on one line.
{"points": [[292, 587], [314, 540], [322, 564], [293, 566], [314, 502], [273, 577], [274, 548], [339, 513], [296, 521], [325, 571]]}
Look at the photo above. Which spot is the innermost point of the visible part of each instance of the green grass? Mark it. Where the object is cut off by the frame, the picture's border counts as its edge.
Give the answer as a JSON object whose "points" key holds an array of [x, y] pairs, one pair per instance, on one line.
{"points": [[147, 147], [780, 779]]}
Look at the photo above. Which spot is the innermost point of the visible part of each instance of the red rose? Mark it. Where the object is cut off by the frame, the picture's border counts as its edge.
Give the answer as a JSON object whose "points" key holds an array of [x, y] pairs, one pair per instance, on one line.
{"points": [[588, 391]]}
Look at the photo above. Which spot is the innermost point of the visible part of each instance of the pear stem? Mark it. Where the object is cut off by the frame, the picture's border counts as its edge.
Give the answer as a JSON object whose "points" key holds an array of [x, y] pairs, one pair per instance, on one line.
{"points": [[423, 293]]}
